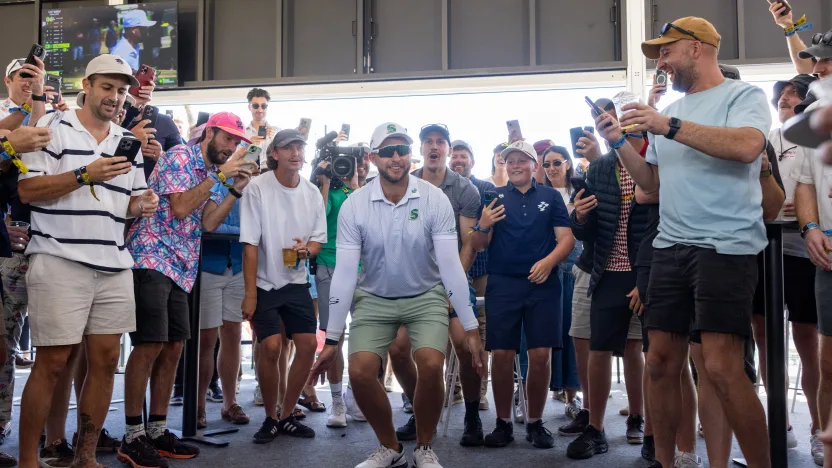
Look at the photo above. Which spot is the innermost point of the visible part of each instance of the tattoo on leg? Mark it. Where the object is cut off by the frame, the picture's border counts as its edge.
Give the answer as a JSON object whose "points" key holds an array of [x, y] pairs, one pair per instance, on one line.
{"points": [[87, 441]]}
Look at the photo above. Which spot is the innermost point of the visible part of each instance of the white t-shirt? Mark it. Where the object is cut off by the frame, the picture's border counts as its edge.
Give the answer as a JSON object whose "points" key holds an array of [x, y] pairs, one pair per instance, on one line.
{"points": [[787, 153], [270, 216]]}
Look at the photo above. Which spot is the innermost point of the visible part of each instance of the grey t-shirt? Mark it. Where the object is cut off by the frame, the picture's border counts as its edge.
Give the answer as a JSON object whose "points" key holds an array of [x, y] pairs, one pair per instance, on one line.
{"points": [[463, 195]]}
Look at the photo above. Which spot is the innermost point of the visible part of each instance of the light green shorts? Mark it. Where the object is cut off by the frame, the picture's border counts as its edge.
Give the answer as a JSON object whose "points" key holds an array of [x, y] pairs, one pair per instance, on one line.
{"points": [[375, 321]]}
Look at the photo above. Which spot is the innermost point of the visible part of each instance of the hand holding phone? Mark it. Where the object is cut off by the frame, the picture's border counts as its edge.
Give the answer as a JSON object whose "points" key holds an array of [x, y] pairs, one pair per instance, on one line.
{"points": [[514, 133], [780, 4], [54, 81], [128, 147], [304, 127], [262, 132], [38, 51], [596, 111], [253, 155], [146, 75], [345, 129], [150, 113]]}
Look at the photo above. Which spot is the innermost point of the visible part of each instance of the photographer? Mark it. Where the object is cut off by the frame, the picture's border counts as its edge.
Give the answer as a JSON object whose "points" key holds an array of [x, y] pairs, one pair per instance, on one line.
{"points": [[335, 192]]}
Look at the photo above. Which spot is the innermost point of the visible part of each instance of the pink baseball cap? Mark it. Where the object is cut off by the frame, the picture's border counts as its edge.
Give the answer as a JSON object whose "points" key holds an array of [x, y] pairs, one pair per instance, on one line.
{"points": [[228, 122]]}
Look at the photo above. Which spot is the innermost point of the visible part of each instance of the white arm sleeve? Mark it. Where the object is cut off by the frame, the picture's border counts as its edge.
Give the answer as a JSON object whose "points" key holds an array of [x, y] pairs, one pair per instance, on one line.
{"points": [[341, 291], [453, 278]]}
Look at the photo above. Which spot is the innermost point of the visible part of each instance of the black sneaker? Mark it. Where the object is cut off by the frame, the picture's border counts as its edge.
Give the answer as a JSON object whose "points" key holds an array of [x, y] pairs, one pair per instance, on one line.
{"points": [[502, 435], [655, 464], [577, 426], [140, 452], [290, 426], [591, 442], [169, 446], [267, 433], [539, 436], [472, 435], [648, 449], [408, 431], [635, 429]]}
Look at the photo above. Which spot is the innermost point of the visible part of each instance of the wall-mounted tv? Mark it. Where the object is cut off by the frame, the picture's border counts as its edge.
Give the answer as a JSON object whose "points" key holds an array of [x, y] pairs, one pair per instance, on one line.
{"points": [[142, 34]]}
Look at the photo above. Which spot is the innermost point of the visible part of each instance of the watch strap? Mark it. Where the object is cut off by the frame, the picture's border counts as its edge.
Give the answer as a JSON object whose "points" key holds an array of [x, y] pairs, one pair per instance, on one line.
{"points": [[808, 227], [40, 98], [766, 173], [675, 124]]}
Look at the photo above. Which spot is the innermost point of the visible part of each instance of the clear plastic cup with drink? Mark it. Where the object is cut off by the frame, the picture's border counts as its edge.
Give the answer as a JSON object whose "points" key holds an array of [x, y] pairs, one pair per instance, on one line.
{"points": [[622, 99], [20, 224]]}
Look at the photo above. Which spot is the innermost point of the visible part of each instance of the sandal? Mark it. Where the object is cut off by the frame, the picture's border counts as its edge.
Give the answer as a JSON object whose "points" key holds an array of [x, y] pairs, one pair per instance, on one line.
{"points": [[297, 413], [313, 406]]}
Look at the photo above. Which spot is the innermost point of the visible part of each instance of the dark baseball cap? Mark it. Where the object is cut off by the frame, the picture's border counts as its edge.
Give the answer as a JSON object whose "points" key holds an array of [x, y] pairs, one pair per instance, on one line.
{"points": [[817, 51], [499, 148], [437, 127], [285, 138], [801, 85]]}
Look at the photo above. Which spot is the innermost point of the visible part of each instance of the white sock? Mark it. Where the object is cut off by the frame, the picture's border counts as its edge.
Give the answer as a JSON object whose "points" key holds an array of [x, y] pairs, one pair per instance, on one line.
{"points": [[156, 429], [336, 389], [133, 432]]}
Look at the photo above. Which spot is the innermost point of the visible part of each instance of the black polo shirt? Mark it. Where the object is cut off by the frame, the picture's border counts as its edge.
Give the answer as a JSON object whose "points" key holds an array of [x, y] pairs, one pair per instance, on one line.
{"points": [[526, 235]]}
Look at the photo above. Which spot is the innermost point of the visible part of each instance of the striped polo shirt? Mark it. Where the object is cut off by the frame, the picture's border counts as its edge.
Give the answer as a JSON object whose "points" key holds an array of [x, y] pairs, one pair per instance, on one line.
{"points": [[76, 226], [396, 240]]}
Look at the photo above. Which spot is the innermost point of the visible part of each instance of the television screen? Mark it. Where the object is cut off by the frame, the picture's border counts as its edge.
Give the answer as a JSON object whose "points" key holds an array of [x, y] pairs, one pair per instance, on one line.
{"points": [[141, 34]]}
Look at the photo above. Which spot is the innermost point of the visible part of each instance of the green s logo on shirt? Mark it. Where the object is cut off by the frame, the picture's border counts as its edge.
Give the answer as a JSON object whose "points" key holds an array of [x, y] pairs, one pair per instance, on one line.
{"points": [[414, 214]]}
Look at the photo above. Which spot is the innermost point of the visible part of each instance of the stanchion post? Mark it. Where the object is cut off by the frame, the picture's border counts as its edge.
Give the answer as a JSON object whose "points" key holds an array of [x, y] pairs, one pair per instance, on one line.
{"points": [[776, 347]]}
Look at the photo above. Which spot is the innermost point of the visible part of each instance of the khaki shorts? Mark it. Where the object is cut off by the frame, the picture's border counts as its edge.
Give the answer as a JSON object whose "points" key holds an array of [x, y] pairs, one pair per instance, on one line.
{"points": [[68, 301], [375, 321], [581, 305], [220, 299]]}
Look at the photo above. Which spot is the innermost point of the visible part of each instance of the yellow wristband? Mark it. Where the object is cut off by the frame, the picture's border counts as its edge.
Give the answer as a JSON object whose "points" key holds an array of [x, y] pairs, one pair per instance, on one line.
{"points": [[26, 107], [7, 146], [20, 166], [221, 176]]}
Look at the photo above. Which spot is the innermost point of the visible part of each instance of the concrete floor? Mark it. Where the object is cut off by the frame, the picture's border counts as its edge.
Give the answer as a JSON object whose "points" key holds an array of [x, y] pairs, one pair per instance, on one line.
{"points": [[344, 448]]}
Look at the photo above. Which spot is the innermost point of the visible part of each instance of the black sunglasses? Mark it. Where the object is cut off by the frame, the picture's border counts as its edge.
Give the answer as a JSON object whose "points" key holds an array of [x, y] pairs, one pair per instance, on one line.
{"points": [[668, 26], [822, 38], [256, 106], [389, 151], [557, 163]]}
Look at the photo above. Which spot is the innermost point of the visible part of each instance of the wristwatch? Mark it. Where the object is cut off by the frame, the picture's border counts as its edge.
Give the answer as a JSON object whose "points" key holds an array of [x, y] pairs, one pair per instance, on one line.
{"points": [[675, 125], [41, 98], [808, 227], [766, 173]]}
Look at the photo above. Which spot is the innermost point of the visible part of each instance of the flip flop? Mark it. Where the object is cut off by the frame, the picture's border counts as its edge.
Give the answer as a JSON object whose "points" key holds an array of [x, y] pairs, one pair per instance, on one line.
{"points": [[313, 406]]}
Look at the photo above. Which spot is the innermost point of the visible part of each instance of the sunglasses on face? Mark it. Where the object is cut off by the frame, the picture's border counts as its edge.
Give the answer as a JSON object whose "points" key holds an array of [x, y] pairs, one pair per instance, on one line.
{"points": [[557, 163], [389, 151], [668, 26], [256, 106], [825, 39]]}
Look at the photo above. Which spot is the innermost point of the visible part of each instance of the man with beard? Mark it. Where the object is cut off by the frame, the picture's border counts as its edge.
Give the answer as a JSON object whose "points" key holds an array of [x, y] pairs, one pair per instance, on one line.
{"points": [[282, 224], [334, 199], [81, 287], [166, 250], [462, 162], [403, 230], [466, 203], [704, 267]]}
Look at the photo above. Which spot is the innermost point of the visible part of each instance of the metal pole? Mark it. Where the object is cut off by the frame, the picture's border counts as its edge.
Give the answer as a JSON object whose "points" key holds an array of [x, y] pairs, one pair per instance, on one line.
{"points": [[776, 347], [190, 376]]}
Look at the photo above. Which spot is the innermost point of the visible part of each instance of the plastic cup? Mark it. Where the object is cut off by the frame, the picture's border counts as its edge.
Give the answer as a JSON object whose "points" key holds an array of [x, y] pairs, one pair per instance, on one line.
{"points": [[622, 99], [24, 225], [290, 258]]}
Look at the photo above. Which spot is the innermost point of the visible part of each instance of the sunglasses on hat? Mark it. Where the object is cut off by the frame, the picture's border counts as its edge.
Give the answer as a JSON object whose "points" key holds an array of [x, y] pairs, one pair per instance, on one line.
{"points": [[822, 38], [389, 151], [256, 106], [668, 26], [557, 163]]}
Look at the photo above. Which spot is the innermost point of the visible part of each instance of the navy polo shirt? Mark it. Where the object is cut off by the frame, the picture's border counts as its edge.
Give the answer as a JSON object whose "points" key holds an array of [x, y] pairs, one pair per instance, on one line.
{"points": [[526, 235]]}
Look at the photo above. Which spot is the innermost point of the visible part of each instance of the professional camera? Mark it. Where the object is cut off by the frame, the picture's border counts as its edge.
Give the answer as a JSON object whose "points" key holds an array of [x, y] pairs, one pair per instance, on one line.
{"points": [[342, 160]]}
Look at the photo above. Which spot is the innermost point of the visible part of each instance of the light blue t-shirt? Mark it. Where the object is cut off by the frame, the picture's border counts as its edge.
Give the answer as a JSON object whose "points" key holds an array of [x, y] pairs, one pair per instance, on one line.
{"points": [[126, 51], [705, 201]]}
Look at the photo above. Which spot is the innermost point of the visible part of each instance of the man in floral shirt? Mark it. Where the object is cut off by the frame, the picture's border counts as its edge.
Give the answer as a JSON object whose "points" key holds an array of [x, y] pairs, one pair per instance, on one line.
{"points": [[165, 248]]}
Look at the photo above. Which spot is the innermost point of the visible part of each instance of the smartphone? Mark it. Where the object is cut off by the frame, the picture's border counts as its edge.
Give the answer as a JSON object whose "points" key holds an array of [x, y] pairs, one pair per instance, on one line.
{"points": [[150, 113], [514, 132], [304, 126], [786, 4], [128, 147], [146, 76], [262, 131], [596, 111], [55, 82], [346, 129], [169, 113], [57, 116], [38, 51], [253, 154], [590, 129], [489, 196], [575, 134], [202, 118], [578, 184]]}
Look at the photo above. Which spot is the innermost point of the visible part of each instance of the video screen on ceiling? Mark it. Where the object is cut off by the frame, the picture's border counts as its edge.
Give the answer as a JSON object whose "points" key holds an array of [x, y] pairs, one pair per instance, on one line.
{"points": [[141, 34]]}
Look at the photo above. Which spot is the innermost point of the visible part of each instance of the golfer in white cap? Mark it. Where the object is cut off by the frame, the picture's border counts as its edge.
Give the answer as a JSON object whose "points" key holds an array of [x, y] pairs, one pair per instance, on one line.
{"points": [[128, 46]]}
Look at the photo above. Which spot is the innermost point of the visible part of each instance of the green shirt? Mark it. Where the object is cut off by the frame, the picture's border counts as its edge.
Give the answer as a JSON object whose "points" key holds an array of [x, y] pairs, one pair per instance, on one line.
{"points": [[337, 197]]}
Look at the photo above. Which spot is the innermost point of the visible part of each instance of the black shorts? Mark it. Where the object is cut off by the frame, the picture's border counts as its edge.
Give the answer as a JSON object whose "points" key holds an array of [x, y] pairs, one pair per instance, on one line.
{"points": [[291, 303], [642, 281], [798, 290], [161, 309], [695, 288], [610, 313]]}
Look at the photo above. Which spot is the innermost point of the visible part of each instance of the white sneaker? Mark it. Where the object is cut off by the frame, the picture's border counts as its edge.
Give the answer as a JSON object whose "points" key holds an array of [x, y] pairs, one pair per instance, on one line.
{"points": [[424, 457], [352, 406], [791, 440], [258, 397], [817, 448], [337, 414], [687, 460], [384, 457]]}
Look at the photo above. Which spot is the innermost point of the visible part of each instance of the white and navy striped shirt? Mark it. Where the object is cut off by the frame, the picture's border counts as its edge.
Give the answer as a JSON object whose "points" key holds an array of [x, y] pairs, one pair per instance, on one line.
{"points": [[76, 226]]}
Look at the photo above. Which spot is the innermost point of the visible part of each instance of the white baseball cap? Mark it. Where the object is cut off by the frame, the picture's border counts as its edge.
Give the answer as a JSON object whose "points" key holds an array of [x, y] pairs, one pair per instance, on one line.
{"points": [[520, 147], [388, 130], [14, 66], [134, 18], [108, 64]]}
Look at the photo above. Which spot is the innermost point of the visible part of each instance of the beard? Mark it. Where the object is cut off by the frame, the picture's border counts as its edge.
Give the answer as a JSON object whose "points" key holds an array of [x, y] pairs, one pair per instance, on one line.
{"points": [[462, 170], [99, 113], [215, 156], [684, 79], [389, 178]]}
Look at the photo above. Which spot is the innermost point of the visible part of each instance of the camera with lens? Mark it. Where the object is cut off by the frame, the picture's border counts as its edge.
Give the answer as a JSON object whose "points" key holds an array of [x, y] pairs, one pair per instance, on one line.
{"points": [[342, 160]]}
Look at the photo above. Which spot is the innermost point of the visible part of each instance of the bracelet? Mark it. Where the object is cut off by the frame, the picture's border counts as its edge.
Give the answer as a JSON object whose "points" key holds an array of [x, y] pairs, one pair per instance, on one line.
{"points": [[766, 173], [85, 176], [330, 342], [619, 143], [40, 98], [477, 228], [7, 147], [78, 177]]}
